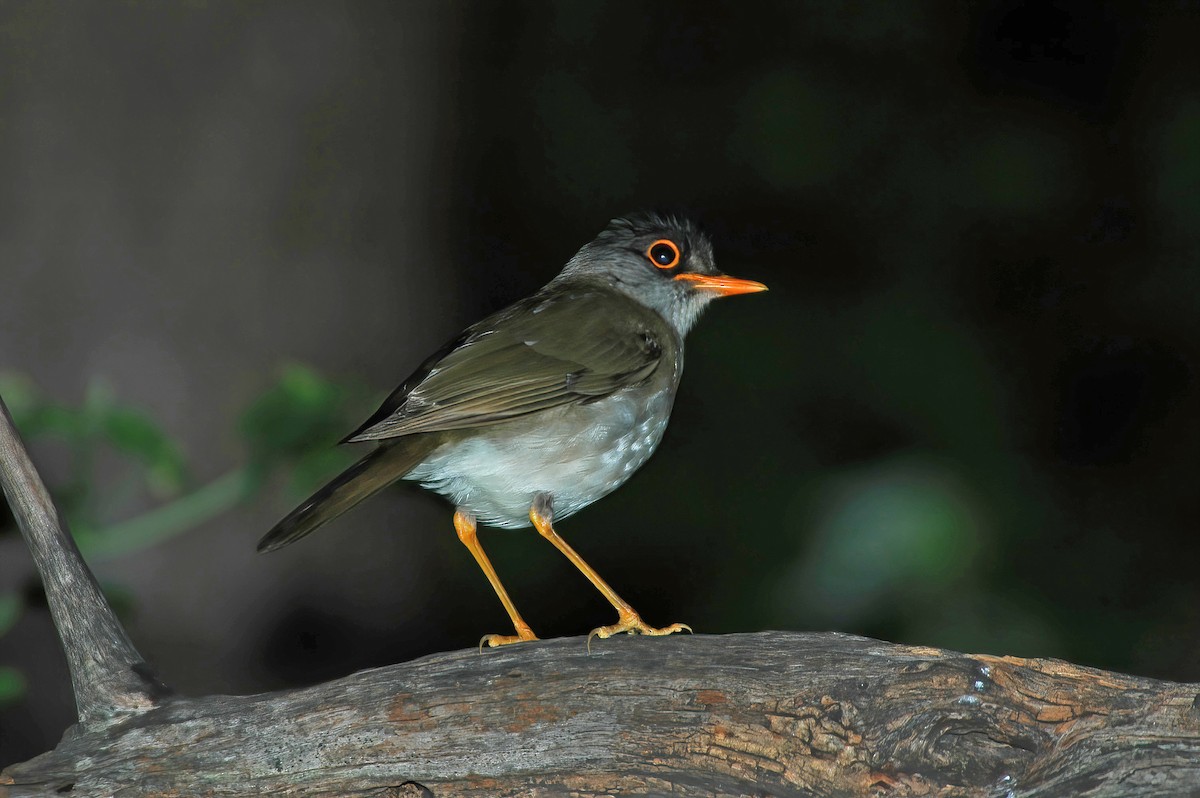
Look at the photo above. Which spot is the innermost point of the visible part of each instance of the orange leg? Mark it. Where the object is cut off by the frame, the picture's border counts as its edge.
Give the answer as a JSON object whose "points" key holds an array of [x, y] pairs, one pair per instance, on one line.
{"points": [[627, 618], [464, 524]]}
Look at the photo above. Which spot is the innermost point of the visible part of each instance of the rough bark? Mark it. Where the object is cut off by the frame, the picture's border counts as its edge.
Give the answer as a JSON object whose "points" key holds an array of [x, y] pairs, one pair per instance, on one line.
{"points": [[760, 714], [764, 714], [108, 675]]}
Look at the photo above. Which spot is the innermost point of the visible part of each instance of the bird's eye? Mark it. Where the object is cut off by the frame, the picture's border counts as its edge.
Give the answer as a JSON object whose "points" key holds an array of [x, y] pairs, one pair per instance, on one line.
{"points": [[663, 253]]}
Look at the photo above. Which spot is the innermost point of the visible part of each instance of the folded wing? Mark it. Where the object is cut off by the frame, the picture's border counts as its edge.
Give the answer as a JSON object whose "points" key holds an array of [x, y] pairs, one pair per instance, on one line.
{"points": [[543, 352]]}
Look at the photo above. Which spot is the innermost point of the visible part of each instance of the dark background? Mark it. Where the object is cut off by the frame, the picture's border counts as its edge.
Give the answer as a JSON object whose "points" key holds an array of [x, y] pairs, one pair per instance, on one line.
{"points": [[964, 416]]}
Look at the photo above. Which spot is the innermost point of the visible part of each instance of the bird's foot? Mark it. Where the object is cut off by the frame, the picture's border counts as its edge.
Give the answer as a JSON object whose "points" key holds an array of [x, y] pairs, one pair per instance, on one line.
{"points": [[523, 634], [630, 622]]}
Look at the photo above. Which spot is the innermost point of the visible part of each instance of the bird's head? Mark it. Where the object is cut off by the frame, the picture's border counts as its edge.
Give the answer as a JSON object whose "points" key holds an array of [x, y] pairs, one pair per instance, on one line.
{"points": [[663, 262]]}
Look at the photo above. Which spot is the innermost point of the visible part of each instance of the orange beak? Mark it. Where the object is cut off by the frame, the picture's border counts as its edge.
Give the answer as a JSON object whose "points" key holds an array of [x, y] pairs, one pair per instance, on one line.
{"points": [[722, 284]]}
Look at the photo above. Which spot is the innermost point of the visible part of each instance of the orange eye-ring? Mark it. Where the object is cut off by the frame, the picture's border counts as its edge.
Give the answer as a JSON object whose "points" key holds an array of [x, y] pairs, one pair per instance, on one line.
{"points": [[663, 253]]}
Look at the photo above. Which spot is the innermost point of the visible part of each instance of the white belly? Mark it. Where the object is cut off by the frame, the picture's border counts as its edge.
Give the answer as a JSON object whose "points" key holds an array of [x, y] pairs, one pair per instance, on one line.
{"points": [[576, 454]]}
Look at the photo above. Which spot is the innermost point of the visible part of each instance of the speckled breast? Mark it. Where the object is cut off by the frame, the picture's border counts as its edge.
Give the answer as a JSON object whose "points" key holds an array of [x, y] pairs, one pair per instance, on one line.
{"points": [[576, 453]]}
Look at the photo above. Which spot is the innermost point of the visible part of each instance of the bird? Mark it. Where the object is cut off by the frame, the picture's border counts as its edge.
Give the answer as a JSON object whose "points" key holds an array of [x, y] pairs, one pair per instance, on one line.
{"points": [[545, 406]]}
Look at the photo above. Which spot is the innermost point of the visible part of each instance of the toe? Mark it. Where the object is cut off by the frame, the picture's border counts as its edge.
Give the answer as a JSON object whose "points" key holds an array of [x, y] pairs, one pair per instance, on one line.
{"points": [[633, 624], [495, 641]]}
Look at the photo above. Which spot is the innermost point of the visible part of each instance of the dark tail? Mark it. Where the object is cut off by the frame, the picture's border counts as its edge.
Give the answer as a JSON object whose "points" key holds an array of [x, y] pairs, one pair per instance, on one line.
{"points": [[364, 479]]}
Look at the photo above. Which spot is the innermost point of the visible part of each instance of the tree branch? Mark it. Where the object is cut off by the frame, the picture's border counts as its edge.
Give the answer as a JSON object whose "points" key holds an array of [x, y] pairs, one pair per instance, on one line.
{"points": [[774, 713], [107, 673], [770, 713]]}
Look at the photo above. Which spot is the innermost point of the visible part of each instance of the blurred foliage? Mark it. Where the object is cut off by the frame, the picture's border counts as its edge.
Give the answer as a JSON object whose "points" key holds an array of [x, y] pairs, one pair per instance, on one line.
{"points": [[286, 429], [880, 532], [97, 423], [292, 423], [965, 414]]}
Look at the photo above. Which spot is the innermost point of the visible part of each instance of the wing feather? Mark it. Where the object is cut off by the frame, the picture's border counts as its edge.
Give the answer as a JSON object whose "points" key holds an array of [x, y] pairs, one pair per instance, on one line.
{"points": [[543, 352]]}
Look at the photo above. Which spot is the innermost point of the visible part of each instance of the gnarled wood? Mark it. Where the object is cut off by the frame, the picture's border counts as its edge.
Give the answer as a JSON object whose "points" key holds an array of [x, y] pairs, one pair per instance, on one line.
{"points": [[761, 714]]}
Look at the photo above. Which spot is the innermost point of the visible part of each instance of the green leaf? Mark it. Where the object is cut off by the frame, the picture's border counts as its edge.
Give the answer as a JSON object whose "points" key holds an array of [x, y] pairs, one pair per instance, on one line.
{"points": [[137, 435], [32, 414], [20, 396], [53, 419], [11, 605], [12, 685], [301, 412]]}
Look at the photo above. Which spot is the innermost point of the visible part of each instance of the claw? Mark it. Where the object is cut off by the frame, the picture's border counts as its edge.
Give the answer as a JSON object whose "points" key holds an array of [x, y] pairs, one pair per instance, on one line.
{"points": [[495, 641], [631, 623]]}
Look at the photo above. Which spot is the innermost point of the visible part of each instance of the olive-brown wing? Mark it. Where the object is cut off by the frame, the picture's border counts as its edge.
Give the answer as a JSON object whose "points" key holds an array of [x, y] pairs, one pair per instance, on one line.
{"points": [[543, 352]]}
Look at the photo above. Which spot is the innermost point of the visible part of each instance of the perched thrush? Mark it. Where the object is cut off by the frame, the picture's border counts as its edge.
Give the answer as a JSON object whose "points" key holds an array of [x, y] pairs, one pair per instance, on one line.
{"points": [[542, 408]]}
